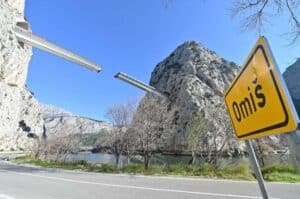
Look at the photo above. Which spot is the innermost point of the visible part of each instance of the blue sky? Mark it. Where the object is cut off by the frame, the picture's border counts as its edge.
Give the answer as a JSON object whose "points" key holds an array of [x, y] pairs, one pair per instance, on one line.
{"points": [[132, 37]]}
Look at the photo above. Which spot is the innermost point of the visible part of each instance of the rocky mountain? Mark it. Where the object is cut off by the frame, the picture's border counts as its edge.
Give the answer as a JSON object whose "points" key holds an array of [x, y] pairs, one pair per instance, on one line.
{"points": [[19, 111], [195, 79], [50, 111], [60, 122], [291, 76]]}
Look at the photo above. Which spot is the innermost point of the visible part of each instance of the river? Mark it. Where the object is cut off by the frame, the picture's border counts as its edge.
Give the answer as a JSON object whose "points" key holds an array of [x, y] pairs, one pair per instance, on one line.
{"points": [[164, 159]]}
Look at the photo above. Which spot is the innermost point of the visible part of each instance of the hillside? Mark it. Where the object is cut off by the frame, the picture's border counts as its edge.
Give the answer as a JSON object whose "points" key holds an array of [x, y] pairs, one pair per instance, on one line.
{"points": [[195, 79], [61, 122]]}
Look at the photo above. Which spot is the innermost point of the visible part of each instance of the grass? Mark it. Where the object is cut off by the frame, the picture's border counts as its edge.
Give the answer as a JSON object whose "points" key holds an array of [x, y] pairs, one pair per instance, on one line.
{"points": [[82, 165], [282, 177], [279, 168], [241, 171], [282, 173]]}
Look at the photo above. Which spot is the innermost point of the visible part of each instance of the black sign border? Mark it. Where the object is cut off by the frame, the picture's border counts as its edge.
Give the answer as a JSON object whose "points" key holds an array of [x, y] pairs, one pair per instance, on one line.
{"points": [[274, 126]]}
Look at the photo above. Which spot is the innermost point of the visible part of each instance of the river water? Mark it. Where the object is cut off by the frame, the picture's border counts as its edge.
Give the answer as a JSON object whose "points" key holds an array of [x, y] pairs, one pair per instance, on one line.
{"points": [[93, 157], [163, 159], [97, 158]]}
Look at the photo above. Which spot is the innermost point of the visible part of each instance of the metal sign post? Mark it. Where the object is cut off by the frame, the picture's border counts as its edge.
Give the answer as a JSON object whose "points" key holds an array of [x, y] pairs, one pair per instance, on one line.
{"points": [[257, 170], [259, 103]]}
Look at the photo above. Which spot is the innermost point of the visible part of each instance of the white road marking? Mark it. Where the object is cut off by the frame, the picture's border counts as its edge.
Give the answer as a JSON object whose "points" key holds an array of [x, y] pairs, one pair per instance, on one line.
{"points": [[205, 179], [3, 196], [174, 177], [143, 188]]}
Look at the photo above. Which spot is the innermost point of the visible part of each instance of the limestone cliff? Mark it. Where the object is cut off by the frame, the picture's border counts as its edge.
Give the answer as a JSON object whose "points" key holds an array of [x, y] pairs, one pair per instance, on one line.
{"points": [[291, 76], [20, 118], [59, 122], [195, 79]]}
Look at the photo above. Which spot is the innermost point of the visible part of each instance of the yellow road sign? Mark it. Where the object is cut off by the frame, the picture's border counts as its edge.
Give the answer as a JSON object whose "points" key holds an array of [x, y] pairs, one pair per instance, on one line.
{"points": [[258, 101]]}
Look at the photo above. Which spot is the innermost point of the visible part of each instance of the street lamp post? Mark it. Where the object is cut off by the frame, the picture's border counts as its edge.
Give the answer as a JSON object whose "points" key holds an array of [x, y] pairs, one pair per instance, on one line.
{"points": [[27, 37], [141, 85]]}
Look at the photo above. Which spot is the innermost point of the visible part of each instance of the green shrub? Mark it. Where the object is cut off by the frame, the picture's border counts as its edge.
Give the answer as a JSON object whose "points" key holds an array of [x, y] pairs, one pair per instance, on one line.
{"points": [[140, 169], [206, 168], [279, 168], [285, 173], [240, 171], [106, 168], [232, 172], [179, 169], [81, 162], [281, 172], [133, 168], [23, 159], [155, 170], [282, 177]]}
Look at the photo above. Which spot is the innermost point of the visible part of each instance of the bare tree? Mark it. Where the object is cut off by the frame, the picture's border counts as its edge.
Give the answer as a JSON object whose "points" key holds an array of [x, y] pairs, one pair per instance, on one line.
{"points": [[149, 130], [60, 147], [264, 148], [120, 116], [57, 146], [255, 13], [209, 134], [260, 148], [197, 130], [223, 131]]}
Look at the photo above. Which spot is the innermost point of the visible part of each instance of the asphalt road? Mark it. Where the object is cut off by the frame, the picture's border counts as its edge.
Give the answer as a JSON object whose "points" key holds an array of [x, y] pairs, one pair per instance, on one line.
{"points": [[22, 182]]}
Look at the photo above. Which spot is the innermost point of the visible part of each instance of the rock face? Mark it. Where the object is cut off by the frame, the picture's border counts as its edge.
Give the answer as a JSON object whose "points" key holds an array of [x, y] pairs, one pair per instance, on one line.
{"points": [[60, 122], [19, 112], [18, 5], [291, 76], [14, 56], [195, 79], [50, 111]]}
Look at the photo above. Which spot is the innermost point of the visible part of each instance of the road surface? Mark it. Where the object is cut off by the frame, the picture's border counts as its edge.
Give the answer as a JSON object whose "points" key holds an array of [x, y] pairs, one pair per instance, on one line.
{"points": [[23, 182]]}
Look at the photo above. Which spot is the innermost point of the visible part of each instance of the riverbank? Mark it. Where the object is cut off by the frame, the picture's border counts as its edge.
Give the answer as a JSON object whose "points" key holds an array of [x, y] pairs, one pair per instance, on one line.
{"points": [[278, 173]]}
